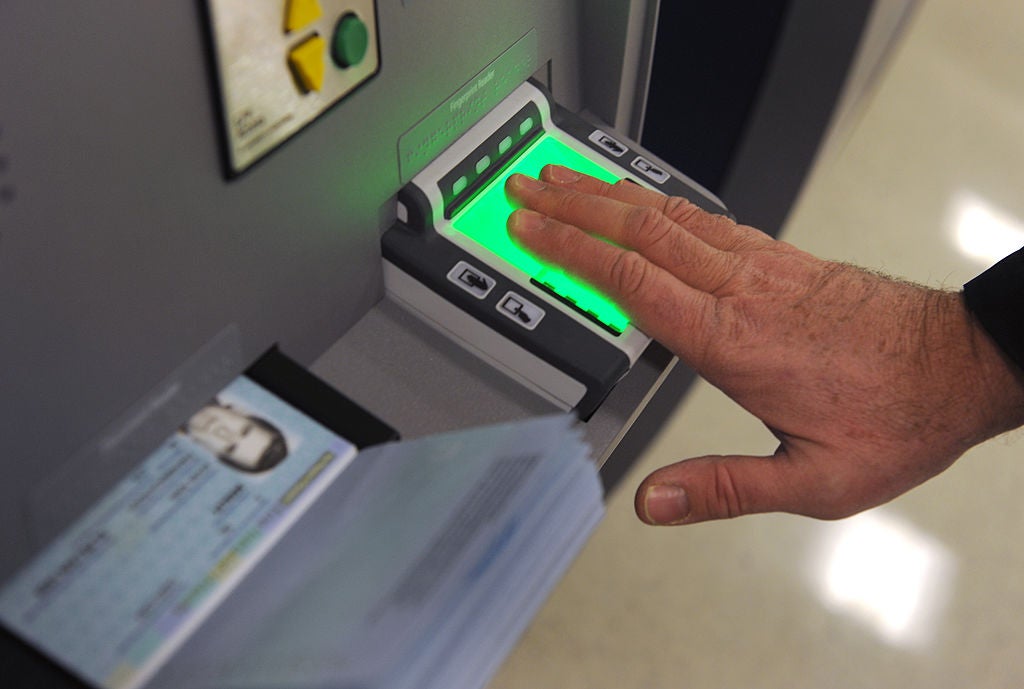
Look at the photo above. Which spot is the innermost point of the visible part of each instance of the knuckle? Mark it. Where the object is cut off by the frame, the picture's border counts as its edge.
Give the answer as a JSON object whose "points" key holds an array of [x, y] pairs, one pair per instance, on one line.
{"points": [[569, 203], [560, 241], [679, 210], [728, 501], [620, 184], [647, 225], [725, 275], [629, 273]]}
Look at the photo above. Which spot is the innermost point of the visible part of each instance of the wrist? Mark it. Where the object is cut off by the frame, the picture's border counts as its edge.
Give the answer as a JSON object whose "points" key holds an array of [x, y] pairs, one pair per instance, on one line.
{"points": [[998, 380]]}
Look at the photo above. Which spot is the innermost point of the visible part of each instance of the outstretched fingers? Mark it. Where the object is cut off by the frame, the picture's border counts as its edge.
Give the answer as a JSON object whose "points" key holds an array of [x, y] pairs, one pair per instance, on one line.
{"points": [[716, 230], [644, 229]]}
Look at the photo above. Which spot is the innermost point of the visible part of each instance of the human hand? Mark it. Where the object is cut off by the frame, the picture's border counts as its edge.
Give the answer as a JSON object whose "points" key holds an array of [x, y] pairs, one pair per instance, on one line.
{"points": [[871, 385]]}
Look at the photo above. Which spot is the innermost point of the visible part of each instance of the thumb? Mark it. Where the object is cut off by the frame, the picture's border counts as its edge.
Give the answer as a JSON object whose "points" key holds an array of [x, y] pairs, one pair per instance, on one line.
{"points": [[714, 487]]}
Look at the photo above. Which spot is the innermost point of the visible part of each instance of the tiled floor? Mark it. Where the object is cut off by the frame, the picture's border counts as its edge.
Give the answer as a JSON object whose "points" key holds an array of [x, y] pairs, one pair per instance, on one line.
{"points": [[927, 591]]}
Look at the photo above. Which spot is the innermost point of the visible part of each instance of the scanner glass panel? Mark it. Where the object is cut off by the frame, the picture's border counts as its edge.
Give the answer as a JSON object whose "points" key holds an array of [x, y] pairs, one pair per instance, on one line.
{"points": [[484, 221]]}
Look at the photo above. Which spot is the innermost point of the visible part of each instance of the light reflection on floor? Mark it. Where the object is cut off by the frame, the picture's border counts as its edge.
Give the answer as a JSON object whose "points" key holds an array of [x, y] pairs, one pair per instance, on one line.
{"points": [[886, 573], [981, 230]]}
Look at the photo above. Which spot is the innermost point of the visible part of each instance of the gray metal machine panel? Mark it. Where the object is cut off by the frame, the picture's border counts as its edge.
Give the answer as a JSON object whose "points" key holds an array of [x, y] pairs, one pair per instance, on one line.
{"points": [[124, 249]]}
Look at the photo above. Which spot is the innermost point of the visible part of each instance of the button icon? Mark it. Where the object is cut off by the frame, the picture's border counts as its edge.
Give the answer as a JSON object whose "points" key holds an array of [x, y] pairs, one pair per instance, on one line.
{"points": [[350, 42], [471, 279], [519, 309], [608, 143], [651, 170], [306, 61], [301, 13]]}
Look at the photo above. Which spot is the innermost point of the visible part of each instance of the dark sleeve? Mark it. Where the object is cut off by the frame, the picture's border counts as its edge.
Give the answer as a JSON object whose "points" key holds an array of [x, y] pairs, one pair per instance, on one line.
{"points": [[996, 298]]}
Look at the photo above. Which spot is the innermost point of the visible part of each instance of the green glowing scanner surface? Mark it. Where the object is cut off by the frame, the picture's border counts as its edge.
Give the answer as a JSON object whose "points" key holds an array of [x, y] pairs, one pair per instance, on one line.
{"points": [[484, 220]]}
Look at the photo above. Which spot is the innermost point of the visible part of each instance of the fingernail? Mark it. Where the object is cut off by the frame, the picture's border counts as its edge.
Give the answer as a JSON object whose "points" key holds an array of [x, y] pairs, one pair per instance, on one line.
{"points": [[526, 183], [666, 504], [563, 175], [525, 221]]}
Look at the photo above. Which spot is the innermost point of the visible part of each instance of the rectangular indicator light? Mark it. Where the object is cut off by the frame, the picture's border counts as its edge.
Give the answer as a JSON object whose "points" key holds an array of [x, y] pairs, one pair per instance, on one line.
{"points": [[484, 221]]}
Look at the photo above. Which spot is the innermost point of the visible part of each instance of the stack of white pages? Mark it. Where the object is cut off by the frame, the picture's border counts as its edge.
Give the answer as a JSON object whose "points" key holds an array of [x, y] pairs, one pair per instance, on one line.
{"points": [[257, 549]]}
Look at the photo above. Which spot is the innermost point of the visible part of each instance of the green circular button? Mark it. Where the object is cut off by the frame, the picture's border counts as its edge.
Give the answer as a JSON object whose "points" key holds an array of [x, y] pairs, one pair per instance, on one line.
{"points": [[351, 40]]}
